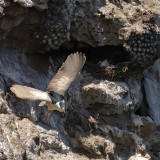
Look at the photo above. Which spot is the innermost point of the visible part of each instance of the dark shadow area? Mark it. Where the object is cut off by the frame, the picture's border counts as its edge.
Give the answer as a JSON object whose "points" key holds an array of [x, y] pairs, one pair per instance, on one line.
{"points": [[117, 3], [143, 110], [114, 54], [115, 61]]}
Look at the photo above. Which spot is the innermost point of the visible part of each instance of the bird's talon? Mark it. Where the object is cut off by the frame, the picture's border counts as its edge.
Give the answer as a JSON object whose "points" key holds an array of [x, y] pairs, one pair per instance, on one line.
{"points": [[44, 118], [47, 117]]}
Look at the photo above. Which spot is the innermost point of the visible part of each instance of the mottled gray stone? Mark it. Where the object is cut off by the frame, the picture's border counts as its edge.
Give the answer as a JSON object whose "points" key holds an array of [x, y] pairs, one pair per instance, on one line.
{"points": [[115, 97], [99, 121], [152, 90]]}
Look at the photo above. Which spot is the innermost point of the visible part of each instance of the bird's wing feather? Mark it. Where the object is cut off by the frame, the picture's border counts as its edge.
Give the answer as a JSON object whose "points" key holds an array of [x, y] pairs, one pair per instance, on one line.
{"points": [[29, 93], [67, 73]]}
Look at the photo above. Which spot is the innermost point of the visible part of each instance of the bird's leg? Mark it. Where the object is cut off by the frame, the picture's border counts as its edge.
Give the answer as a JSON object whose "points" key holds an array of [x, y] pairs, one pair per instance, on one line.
{"points": [[49, 117], [46, 115]]}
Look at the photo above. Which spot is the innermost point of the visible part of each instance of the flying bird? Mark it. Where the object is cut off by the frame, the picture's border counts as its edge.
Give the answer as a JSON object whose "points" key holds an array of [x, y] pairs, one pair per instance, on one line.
{"points": [[53, 98]]}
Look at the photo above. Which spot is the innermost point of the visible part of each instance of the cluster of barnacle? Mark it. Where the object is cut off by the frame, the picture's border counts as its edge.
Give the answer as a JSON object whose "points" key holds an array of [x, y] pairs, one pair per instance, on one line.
{"points": [[143, 47], [54, 31], [52, 37]]}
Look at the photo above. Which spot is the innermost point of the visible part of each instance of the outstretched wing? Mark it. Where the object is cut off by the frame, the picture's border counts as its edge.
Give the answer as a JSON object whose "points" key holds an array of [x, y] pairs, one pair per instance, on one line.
{"points": [[69, 70], [29, 93]]}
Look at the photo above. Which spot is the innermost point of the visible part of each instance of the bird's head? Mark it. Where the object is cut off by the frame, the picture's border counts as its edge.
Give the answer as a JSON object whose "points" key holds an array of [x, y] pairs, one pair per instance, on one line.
{"points": [[61, 106], [58, 101]]}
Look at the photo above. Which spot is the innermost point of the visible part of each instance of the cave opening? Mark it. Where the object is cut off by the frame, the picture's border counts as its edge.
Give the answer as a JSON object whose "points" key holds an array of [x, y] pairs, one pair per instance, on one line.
{"points": [[113, 54]]}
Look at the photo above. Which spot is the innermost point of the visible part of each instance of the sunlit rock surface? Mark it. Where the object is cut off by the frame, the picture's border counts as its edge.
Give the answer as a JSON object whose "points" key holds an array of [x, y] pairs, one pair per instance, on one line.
{"points": [[105, 118]]}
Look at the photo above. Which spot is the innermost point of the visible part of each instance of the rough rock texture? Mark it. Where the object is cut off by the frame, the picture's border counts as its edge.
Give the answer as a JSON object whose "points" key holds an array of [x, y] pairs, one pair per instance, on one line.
{"points": [[10, 140], [144, 47], [111, 22], [55, 29], [106, 97], [106, 118], [93, 126], [44, 25], [152, 88], [38, 4], [95, 23]]}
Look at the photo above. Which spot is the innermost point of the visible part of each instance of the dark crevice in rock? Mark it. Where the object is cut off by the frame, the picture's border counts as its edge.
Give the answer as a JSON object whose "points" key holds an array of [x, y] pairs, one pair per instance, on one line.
{"points": [[77, 121], [114, 54], [143, 110], [25, 156], [2, 155]]}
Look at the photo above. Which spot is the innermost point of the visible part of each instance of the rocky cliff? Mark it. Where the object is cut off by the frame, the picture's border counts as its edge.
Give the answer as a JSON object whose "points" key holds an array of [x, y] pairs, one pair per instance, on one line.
{"points": [[113, 108]]}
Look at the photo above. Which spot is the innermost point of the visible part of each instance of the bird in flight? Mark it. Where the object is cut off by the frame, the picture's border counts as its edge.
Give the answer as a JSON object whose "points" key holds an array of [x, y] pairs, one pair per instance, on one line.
{"points": [[53, 98]]}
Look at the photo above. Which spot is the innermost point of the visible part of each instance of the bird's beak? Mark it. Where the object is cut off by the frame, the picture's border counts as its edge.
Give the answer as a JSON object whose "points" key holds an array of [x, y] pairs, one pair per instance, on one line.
{"points": [[64, 110]]}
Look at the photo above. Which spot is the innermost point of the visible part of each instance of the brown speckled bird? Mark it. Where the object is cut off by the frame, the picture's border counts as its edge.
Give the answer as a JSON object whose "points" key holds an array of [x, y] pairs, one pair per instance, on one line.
{"points": [[53, 98]]}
